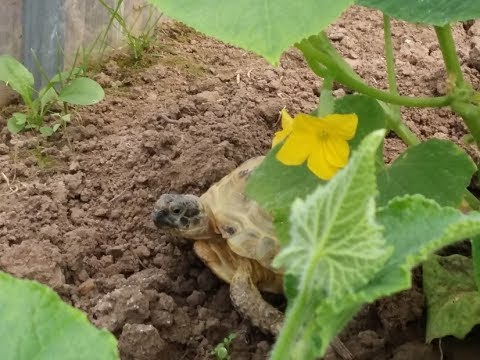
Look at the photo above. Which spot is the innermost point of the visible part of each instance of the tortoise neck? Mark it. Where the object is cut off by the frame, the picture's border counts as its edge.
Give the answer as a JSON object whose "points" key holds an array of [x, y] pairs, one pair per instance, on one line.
{"points": [[207, 229]]}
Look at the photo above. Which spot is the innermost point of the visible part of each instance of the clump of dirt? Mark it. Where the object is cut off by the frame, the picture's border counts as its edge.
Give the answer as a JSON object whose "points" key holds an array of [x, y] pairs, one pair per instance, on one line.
{"points": [[75, 213]]}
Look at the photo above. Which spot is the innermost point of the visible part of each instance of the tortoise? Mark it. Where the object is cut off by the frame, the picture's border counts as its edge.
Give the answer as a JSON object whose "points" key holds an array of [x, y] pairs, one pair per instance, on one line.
{"points": [[236, 239]]}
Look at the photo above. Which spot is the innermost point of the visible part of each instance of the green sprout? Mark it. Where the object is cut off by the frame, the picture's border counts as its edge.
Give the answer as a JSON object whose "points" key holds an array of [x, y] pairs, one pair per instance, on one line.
{"points": [[221, 351]]}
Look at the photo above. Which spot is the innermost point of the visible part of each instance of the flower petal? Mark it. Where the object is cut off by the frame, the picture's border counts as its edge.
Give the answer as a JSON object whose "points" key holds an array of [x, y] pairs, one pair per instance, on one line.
{"points": [[307, 123], [287, 126], [296, 148], [287, 120], [319, 165], [336, 151], [342, 125], [279, 137]]}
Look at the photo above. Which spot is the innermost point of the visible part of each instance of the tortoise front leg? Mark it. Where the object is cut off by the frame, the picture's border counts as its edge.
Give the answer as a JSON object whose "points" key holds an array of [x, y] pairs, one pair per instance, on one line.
{"points": [[249, 302]]}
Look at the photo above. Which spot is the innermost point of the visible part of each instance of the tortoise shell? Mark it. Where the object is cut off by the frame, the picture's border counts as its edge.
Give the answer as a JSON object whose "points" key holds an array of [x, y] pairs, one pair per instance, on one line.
{"points": [[246, 227]]}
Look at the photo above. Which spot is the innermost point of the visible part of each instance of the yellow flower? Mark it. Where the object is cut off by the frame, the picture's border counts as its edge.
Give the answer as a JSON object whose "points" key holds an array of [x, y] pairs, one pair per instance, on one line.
{"points": [[287, 126], [322, 142]]}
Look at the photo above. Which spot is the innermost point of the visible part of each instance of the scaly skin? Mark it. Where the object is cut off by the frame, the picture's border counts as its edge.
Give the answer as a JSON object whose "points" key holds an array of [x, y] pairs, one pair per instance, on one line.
{"points": [[249, 302]]}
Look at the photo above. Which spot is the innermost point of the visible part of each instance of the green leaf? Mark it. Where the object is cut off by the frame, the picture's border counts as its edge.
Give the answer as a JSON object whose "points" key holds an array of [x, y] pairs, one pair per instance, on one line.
{"points": [[66, 118], [437, 169], [16, 123], [416, 227], [433, 12], [335, 245], [15, 75], [66, 75], [275, 186], [46, 130], [55, 127], [36, 324], [47, 96], [453, 302], [266, 27], [82, 91]]}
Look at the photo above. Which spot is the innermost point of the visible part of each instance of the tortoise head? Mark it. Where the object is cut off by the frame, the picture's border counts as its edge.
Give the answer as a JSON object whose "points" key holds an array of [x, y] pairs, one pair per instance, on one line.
{"points": [[182, 215]]}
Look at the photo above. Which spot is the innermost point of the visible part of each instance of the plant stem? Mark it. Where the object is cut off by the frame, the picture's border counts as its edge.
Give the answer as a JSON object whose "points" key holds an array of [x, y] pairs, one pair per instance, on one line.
{"points": [[472, 201], [293, 320], [449, 53], [468, 111], [392, 112], [319, 69], [392, 81], [395, 123], [356, 83], [471, 115], [476, 260], [326, 105]]}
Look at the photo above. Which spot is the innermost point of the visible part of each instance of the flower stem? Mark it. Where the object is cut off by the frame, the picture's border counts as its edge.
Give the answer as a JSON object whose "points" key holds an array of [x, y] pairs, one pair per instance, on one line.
{"points": [[345, 75], [327, 103]]}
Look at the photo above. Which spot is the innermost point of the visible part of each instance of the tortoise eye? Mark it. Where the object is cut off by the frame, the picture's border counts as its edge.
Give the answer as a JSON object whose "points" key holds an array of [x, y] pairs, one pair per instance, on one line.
{"points": [[176, 210]]}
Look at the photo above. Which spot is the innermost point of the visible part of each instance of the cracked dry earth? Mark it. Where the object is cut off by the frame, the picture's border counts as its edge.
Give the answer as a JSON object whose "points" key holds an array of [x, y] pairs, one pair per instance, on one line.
{"points": [[75, 213]]}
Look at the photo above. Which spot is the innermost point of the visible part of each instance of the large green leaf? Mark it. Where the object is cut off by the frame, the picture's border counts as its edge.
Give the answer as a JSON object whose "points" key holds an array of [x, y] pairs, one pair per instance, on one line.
{"points": [[36, 324], [416, 227], [453, 302], [434, 12], [15, 75], [437, 169], [82, 91], [335, 244], [266, 27]]}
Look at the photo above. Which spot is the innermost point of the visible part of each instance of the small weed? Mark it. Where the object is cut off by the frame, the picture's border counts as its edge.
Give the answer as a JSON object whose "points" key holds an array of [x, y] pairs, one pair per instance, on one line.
{"points": [[44, 161], [221, 351], [67, 87], [137, 44]]}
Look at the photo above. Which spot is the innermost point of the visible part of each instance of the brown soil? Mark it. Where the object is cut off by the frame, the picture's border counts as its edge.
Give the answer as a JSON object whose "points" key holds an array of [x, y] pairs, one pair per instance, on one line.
{"points": [[76, 212]]}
